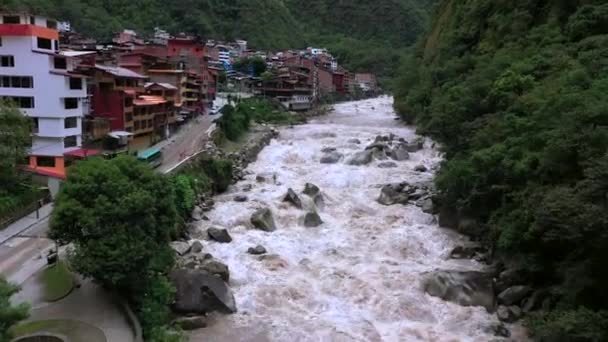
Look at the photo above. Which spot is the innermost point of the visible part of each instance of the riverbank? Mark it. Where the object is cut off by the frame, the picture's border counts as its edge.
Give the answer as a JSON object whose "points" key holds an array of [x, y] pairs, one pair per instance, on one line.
{"points": [[344, 266]]}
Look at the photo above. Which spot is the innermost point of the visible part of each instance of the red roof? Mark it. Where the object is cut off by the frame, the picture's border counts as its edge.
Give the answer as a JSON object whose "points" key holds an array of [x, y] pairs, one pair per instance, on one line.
{"points": [[82, 153], [149, 100], [46, 172]]}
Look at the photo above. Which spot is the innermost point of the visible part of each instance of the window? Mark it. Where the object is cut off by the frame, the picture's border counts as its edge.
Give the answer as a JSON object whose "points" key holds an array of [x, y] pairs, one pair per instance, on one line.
{"points": [[32, 20], [70, 141], [137, 123], [129, 129], [0, 41], [120, 82], [16, 82], [128, 117], [7, 61], [128, 101], [60, 63], [20, 101], [71, 122], [52, 24], [150, 123], [75, 83], [44, 43], [45, 161], [56, 44], [11, 19], [35, 125], [70, 103]]}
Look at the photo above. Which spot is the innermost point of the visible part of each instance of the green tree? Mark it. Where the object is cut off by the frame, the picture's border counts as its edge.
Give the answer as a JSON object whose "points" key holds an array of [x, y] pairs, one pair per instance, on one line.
{"points": [[15, 140], [9, 314], [120, 215]]}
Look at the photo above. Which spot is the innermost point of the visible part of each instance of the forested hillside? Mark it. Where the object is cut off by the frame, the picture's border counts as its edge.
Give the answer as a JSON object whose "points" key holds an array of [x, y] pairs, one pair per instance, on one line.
{"points": [[516, 91], [367, 35]]}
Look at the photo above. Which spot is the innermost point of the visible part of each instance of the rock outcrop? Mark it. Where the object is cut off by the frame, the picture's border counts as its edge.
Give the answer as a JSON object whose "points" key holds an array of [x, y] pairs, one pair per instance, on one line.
{"points": [[219, 235], [464, 288], [198, 292]]}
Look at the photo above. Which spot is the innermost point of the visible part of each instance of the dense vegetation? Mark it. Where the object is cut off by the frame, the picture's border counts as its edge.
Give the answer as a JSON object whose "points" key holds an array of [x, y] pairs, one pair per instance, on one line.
{"points": [[15, 139], [366, 35], [9, 313], [516, 92], [235, 120]]}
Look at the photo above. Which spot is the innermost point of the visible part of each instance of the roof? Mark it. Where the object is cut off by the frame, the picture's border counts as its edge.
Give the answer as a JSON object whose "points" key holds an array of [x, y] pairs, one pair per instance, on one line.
{"points": [[164, 85], [118, 71], [166, 71], [149, 100], [145, 154], [82, 153], [46, 172], [119, 134], [77, 53], [130, 92]]}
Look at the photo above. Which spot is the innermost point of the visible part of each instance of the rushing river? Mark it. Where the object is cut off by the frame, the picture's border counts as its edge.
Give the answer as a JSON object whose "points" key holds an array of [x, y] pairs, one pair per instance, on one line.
{"points": [[358, 276]]}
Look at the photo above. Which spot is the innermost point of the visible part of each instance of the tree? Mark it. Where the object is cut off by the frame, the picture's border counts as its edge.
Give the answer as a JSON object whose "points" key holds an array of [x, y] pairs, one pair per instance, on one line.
{"points": [[120, 216], [9, 314], [15, 139]]}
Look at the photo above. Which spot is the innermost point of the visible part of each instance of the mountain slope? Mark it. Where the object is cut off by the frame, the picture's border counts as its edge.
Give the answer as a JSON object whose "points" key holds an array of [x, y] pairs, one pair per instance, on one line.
{"points": [[516, 92]]}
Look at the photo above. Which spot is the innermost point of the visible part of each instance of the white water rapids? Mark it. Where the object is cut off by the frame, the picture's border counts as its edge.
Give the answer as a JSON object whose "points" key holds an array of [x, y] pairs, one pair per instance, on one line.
{"points": [[358, 276]]}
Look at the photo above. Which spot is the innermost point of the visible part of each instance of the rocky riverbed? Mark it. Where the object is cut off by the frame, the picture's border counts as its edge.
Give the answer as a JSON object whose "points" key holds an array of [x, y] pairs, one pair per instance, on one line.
{"points": [[331, 236]]}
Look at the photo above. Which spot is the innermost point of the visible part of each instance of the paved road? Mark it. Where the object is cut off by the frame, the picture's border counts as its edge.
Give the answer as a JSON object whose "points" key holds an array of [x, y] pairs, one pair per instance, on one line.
{"points": [[188, 141]]}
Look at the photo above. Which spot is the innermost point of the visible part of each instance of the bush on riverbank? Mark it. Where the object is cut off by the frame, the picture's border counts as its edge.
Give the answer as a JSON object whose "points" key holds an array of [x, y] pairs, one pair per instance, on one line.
{"points": [[522, 112], [236, 120]]}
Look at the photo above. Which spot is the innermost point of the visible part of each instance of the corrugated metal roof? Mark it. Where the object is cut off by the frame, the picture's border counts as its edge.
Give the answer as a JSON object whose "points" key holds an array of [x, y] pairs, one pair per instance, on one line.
{"points": [[118, 71], [164, 85], [77, 53]]}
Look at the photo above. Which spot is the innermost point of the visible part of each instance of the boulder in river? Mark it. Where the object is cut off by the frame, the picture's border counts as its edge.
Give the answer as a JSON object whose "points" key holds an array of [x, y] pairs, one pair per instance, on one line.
{"points": [[311, 189], [508, 314], [415, 146], [360, 158], [398, 193], [257, 250], [377, 146], [180, 247], [331, 158], [354, 141], [387, 165], [197, 213], [196, 247], [198, 292], [219, 235], [240, 198], [420, 168], [328, 149], [464, 288], [379, 154], [498, 330], [514, 295], [511, 277], [466, 252], [399, 153], [319, 201], [266, 177], [216, 268], [262, 219], [293, 198], [312, 219]]}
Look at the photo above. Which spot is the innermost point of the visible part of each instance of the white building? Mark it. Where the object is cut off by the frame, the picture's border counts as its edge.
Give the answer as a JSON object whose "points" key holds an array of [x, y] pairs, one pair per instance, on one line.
{"points": [[41, 82]]}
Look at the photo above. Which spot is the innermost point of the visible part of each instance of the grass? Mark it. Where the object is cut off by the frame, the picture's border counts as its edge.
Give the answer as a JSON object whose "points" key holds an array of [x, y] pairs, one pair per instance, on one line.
{"points": [[75, 331], [57, 281]]}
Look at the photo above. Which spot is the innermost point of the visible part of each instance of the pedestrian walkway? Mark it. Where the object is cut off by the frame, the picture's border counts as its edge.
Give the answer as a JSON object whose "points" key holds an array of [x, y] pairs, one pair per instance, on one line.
{"points": [[25, 222]]}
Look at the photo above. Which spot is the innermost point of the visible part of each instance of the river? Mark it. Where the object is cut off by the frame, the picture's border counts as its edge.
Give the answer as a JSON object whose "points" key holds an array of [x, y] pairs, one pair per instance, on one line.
{"points": [[358, 276]]}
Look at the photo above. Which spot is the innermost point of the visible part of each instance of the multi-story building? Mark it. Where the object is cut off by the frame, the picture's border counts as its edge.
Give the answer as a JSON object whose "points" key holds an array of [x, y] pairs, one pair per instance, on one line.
{"points": [[41, 81]]}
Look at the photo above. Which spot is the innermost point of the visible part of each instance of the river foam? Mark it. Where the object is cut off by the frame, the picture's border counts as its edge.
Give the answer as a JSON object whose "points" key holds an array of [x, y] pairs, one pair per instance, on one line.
{"points": [[358, 276]]}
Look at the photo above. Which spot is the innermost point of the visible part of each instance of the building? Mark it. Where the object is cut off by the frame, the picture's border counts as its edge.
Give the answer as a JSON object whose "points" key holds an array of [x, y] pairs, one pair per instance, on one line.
{"points": [[367, 82], [41, 81]]}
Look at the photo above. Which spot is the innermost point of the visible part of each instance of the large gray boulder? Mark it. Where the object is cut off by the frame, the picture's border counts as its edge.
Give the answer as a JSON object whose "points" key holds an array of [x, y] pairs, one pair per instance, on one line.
{"points": [[415, 146], [196, 247], [219, 235], [197, 213], [377, 146], [354, 141], [216, 268], [180, 247], [311, 190], [379, 154], [257, 250], [262, 219], [293, 198], [511, 277], [361, 158], [508, 314], [331, 158], [312, 219], [198, 292], [463, 288], [397, 193], [399, 153], [514, 295]]}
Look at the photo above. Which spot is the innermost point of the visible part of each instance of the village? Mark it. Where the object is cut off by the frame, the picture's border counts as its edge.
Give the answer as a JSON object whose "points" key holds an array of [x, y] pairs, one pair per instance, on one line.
{"points": [[87, 97]]}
